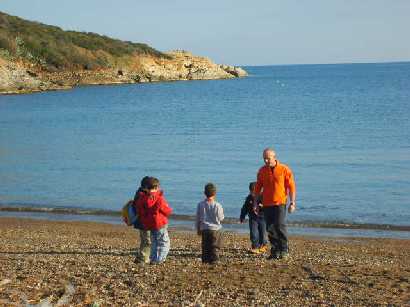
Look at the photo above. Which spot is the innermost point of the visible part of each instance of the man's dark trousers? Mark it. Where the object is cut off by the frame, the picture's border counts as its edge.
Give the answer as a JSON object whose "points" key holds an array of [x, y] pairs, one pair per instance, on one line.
{"points": [[275, 217]]}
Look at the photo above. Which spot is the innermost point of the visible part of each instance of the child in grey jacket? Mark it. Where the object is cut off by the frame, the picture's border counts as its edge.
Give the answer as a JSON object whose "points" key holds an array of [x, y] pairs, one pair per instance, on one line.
{"points": [[209, 216]]}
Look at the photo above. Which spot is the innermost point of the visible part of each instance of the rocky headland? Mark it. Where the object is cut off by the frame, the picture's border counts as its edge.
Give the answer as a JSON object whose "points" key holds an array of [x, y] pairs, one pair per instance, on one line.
{"points": [[38, 57], [23, 77]]}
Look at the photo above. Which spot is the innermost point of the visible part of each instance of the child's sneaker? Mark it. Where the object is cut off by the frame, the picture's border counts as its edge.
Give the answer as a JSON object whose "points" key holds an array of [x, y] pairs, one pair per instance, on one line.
{"points": [[263, 248], [255, 251], [140, 260]]}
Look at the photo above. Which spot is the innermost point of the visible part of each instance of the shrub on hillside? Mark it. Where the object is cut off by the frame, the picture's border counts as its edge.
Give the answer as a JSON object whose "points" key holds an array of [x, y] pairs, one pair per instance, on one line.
{"points": [[50, 45]]}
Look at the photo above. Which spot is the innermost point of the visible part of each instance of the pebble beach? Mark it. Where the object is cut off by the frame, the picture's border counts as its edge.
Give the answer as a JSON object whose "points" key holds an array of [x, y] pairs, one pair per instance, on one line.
{"points": [[50, 263]]}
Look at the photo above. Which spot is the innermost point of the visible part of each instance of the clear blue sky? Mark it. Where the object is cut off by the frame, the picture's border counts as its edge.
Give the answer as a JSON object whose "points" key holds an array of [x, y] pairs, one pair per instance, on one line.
{"points": [[241, 32]]}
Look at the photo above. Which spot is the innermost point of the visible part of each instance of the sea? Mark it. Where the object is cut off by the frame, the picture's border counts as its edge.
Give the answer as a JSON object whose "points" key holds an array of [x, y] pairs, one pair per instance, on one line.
{"points": [[343, 129]]}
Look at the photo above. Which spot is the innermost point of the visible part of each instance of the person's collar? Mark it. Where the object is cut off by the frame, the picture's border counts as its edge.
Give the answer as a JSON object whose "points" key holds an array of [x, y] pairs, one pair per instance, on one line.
{"points": [[277, 163]]}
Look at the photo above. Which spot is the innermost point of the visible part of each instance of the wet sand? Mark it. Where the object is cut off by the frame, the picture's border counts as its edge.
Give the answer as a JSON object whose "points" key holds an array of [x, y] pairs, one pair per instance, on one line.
{"points": [[91, 264]]}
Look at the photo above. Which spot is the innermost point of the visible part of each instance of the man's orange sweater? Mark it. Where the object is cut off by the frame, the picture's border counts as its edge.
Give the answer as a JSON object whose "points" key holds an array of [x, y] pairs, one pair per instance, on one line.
{"points": [[275, 183]]}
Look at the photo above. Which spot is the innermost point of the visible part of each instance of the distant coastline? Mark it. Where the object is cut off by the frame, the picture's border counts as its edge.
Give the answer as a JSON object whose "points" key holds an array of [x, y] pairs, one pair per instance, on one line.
{"points": [[35, 57]]}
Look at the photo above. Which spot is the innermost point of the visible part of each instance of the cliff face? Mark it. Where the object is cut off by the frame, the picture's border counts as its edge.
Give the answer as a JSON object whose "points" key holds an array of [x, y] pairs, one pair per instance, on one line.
{"points": [[23, 77], [15, 78]]}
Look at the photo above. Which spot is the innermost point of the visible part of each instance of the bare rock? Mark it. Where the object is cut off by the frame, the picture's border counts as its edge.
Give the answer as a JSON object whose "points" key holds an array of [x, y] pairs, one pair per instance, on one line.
{"points": [[234, 70]]}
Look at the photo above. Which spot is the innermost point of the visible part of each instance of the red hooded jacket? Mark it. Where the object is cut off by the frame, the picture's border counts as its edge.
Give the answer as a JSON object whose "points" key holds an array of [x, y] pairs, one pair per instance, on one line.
{"points": [[153, 210]]}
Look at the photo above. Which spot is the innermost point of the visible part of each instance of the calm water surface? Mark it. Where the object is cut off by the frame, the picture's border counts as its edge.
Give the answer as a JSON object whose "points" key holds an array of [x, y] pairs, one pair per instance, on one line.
{"points": [[343, 129]]}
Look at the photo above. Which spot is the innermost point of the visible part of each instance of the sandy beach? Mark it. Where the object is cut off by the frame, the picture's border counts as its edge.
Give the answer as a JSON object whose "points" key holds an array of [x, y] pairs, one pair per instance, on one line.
{"points": [[91, 264]]}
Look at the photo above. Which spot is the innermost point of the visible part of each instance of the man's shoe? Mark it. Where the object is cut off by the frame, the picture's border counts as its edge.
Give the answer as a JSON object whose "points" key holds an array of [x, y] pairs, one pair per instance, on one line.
{"points": [[284, 255], [274, 256]]}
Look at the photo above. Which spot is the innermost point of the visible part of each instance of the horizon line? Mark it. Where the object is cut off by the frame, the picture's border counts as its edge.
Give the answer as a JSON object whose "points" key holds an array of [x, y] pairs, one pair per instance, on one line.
{"points": [[334, 63]]}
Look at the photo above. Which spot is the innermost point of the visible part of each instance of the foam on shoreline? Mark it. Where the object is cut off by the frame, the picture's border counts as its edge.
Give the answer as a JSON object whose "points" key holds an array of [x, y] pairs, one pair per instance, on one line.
{"points": [[316, 228]]}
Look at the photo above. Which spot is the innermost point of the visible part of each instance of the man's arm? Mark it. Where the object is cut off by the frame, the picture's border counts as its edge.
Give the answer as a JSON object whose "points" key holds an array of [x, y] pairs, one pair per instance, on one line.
{"points": [[291, 188]]}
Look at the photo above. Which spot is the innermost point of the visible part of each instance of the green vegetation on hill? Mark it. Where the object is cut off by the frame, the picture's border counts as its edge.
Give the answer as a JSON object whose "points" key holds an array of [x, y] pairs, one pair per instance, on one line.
{"points": [[55, 49]]}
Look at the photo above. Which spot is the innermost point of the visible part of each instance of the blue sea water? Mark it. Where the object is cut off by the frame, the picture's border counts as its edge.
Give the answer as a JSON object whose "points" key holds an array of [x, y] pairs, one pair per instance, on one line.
{"points": [[343, 129]]}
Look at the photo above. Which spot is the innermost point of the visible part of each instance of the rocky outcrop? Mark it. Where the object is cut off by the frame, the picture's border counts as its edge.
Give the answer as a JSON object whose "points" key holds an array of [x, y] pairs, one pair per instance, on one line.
{"points": [[235, 71], [184, 66], [16, 77], [19, 77]]}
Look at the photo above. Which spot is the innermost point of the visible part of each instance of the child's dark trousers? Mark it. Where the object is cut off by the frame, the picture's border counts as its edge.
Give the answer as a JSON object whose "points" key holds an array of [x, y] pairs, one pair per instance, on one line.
{"points": [[211, 243]]}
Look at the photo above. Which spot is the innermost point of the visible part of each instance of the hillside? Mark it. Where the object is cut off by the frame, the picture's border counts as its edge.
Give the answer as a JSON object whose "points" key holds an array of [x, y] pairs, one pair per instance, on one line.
{"points": [[36, 57]]}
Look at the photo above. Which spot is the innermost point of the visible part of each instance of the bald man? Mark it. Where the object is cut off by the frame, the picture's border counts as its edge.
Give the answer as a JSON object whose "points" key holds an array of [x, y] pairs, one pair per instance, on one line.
{"points": [[276, 185]]}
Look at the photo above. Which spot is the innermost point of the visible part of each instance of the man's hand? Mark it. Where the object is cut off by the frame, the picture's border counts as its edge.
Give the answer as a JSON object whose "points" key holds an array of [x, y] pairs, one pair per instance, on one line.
{"points": [[292, 207]]}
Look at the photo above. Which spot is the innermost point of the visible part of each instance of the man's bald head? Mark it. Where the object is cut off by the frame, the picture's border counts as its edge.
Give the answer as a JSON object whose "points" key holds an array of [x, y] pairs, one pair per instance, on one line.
{"points": [[269, 156]]}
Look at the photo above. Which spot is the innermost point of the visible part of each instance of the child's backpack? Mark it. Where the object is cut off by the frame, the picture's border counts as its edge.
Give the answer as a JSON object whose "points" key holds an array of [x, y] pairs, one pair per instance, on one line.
{"points": [[129, 215]]}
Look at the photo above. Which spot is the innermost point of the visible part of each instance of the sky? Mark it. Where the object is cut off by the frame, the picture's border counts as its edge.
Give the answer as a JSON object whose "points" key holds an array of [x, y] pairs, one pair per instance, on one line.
{"points": [[237, 32]]}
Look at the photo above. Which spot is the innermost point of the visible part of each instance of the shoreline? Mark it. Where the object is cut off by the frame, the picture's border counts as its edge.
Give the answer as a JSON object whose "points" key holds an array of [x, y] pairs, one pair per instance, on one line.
{"points": [[315, 228], [91, 264], [186, 217]]}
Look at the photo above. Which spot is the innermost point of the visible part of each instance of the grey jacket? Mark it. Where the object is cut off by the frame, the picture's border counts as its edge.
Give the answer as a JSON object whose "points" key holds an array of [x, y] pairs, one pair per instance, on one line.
{"points": [[209, 215]]}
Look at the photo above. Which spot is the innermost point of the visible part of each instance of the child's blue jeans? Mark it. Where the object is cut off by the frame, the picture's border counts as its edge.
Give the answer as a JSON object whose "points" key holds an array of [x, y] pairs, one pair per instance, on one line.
{"points": [[257, 231], [160, 244]]}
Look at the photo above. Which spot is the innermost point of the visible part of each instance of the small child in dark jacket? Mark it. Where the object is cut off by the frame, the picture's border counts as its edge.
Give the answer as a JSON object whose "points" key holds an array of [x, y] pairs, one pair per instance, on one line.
{"points": [[257, 225], [143, 252]]}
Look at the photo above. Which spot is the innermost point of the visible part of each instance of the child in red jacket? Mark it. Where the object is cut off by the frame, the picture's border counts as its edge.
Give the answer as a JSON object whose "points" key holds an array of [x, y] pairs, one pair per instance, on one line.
{"points": [[153, 211]]}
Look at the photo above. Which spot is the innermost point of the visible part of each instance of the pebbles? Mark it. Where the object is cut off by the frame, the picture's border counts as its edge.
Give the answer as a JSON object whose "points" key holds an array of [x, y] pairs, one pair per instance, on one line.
{"points": [[90, 264]]}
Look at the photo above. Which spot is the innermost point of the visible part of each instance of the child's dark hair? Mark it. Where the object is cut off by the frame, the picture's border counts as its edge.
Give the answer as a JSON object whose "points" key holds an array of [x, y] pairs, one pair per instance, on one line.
{"points": [[144, 182], [152, 183], [252, 185], [210, 190]]}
